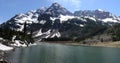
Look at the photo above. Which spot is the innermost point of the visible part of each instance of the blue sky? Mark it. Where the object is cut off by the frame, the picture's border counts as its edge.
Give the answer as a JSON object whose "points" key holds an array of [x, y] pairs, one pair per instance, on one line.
{"points": [[8, 8]]}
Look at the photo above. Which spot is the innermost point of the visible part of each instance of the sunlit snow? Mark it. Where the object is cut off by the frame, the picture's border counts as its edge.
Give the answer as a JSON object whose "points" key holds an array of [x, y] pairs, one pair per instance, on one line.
{"points": [[5, 48], [109, 20]]}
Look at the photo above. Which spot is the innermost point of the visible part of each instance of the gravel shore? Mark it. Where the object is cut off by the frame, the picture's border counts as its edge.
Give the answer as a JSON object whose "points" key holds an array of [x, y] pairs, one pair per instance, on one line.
{"points": [[3, 59]]}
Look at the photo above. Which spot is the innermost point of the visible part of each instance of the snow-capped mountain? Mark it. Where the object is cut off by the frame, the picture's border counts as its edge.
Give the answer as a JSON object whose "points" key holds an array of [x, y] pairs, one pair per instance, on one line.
{"points": [[57, 21], [98, 14], [56, 9], [18, 20]]}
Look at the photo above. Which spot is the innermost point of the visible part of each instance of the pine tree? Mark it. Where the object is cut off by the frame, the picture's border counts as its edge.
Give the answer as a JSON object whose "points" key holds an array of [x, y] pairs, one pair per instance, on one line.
{"points": [[25, 28], [31, 37], [25, 33]]}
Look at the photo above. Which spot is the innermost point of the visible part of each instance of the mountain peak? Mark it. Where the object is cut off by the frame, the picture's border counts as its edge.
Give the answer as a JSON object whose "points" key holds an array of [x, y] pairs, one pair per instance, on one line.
{"points": [[41, 10], [100, 10], [56, 10], [56, 4]]}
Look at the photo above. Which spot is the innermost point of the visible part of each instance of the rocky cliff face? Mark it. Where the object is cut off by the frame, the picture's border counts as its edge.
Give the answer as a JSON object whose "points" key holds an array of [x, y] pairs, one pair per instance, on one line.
{"points": [[99, 14]]}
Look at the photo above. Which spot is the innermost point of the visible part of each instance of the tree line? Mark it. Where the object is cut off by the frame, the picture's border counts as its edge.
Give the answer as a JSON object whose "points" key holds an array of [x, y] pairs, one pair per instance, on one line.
{"points": [[8, 34]]}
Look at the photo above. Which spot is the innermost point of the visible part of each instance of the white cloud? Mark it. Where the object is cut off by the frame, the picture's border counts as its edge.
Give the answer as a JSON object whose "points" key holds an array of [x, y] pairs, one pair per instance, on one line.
{"points": [[75, 4]]}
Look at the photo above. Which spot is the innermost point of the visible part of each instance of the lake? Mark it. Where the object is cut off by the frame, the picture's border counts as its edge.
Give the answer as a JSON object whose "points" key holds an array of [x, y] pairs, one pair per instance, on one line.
{"points": [[56, 53]]}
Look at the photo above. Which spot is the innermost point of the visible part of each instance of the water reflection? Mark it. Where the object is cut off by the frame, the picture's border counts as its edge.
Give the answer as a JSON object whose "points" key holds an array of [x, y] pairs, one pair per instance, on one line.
{"points": [[51, 53]]}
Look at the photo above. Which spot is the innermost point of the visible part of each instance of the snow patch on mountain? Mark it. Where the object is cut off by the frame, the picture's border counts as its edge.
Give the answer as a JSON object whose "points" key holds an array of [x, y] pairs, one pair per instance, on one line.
{"points": [[42, 33], [18, 43], [42, 21], [22, 18], [5, 48], [109, 20], [65, 17], [81, 18], [92, 18], [48, 34], [100, 10], [53, 18], [57, 34], [62, 18], [13, 38], [81, 25], [21, 28], [39, 33]]}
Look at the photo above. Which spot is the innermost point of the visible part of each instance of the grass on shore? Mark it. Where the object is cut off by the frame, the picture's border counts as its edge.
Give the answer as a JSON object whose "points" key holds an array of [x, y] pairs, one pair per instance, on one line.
{"points": [[101, 44], [107, 44]]}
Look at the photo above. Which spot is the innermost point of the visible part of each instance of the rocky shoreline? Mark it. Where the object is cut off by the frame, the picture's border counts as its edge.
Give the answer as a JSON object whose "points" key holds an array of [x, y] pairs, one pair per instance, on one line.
{"points": [[5, 50], [3, 58]]}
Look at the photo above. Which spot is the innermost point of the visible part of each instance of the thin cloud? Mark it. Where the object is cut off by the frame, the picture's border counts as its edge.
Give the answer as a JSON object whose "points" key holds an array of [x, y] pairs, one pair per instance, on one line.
{"points": [[75, 4]]}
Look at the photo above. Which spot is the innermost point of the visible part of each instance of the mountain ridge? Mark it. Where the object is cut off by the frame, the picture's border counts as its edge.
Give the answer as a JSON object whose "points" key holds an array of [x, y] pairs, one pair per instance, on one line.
{"points": [[57, 21]]}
